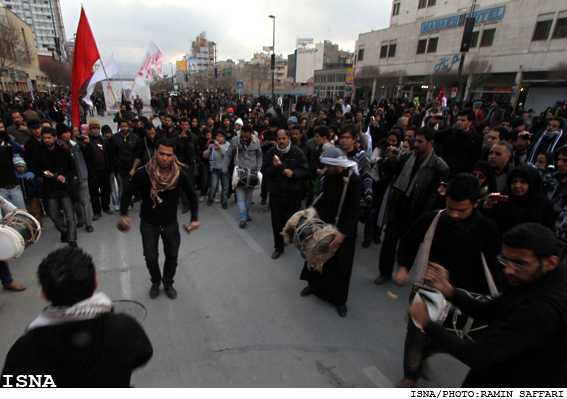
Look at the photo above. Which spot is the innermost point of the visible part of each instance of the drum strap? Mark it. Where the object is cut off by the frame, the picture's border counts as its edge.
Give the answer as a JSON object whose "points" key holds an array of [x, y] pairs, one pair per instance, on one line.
{"points": [[346, 180]]}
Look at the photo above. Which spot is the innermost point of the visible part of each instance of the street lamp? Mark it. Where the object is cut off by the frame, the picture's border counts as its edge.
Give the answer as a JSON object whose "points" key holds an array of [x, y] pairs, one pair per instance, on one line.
{"points": [[172, 80], [273, 58]]}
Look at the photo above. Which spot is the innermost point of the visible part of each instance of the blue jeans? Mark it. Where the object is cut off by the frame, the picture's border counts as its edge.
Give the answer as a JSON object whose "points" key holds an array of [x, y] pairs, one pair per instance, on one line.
{"points": [[5, 275], [244, 201], [171, 241], [15, 196], [115, 191], [215, 177], [61, 200]]}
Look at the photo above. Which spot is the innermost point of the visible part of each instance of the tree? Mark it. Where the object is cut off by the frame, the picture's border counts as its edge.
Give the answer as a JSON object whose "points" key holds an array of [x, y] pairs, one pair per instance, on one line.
{"points": [[58, 72], [14, 52], [477, 71]]}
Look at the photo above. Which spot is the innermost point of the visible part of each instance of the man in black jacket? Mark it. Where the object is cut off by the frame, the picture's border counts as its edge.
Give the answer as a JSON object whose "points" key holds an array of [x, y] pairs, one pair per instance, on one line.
{"points": [[123, 146], [286, 169], [159, 183], [413, 192], [100, 163], [77, 341], [525, 344], [58, 170]]}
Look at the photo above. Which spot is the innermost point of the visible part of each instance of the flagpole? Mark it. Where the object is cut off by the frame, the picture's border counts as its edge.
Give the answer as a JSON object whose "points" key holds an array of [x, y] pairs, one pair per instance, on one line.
{"points": [[111, 90]]}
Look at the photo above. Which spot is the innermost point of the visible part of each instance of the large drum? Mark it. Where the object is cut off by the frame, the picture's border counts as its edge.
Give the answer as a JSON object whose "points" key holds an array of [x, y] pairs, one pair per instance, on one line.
{"points": [[246, 178], [312, 237], [18, 231]]}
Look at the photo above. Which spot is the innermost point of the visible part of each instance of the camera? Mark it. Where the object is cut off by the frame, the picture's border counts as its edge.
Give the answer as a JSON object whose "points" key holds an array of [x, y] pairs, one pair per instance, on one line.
{"points": [[396, 151]]}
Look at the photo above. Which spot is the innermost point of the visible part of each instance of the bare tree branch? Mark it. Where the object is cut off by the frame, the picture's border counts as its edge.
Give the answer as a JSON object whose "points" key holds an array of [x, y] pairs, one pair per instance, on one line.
{"points": [[13, 50]]}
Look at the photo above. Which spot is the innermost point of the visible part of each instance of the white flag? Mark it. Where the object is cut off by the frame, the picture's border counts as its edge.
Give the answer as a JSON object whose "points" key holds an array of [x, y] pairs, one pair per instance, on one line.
{"points": [[111, 70], [151, 66]]}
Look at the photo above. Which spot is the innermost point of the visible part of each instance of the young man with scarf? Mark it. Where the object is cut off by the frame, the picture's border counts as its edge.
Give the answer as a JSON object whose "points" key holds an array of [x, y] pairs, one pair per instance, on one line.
{"points": [[414, 192], [332, 285], [550, 140], [77, 341], [462, 235], [159, 182], [285, 167]]}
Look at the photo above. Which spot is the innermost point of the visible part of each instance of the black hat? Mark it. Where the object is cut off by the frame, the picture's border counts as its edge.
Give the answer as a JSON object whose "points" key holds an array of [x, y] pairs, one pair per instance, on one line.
{"points": [[61, 128], [33, 124]]}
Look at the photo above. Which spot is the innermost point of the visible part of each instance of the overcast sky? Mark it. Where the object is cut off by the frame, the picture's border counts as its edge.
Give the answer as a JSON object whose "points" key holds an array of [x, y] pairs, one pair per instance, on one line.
{"points": [[125, 28]]}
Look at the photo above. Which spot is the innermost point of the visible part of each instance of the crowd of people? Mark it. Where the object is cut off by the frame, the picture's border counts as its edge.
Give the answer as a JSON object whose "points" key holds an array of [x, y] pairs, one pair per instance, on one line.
{"points": [[447, 188]]}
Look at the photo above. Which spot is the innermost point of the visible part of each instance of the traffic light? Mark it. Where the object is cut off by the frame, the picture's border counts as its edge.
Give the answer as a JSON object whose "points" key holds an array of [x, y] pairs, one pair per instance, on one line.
{"points": [[216, 74], [273, 61]]}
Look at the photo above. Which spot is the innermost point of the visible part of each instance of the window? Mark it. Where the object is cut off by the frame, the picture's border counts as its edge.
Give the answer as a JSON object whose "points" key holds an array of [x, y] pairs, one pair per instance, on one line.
{"points": [[560, 29], [392, 52], [361, 54], [542, 30], [421, 46], [431, 3], [432, 48], [474, 39], [487, 37], [422, 4], [396, 10], [384, 51]]}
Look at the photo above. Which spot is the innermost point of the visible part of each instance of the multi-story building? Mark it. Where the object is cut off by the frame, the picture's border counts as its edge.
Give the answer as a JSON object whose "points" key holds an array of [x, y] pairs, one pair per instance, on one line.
{"points": [[203, 54], [46, 21], [330, 83], [323, 56], [19, 65], [517, 50]]}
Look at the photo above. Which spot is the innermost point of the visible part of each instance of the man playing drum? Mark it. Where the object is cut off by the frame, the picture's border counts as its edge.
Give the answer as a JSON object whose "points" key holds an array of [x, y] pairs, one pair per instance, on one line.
{"points": [[333, 283]]}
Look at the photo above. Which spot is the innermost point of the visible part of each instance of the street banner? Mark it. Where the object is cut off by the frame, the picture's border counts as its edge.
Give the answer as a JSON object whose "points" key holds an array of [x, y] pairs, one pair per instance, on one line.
{"points": [[124, 88], [84, 57]]}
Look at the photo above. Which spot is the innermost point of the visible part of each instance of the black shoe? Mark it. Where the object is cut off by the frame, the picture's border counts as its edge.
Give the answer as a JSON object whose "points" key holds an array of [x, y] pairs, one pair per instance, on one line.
{"points": [[209, 202], [306, 291], [382, 279], [242, 224], [154, 291], [170, 291], [276, 254], [80, 225], [342, 310], [108, 211], [377, 240], [97, 216], [73, 244], [263, 202], [365, 244], [224, 206], [64, 237], [90, 229]]}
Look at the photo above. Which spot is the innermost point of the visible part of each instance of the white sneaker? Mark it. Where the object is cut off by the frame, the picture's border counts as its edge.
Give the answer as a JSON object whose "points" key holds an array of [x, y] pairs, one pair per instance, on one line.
{"points": [[216, 200], [117, 208], [201, 199]]}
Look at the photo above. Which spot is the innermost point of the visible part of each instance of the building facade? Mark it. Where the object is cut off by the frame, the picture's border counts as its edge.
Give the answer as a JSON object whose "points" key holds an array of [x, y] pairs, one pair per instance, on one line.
{"points": [[517, 50], [323, 56], [46, 21], [203, 54], [19, 65]]}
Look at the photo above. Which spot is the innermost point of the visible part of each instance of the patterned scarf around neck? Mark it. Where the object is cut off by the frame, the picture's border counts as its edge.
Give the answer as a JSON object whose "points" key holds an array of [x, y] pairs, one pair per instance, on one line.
{"points": [[161, 183]]}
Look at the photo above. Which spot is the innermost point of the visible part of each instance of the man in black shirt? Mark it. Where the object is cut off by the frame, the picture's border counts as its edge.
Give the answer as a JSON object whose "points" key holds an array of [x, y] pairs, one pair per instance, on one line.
{"points": [[159, 182]]}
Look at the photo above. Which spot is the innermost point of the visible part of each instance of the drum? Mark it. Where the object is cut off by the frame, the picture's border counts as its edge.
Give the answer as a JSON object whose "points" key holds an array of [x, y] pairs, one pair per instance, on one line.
{"points": [[18, 231], [312, 237], [246, 178]]}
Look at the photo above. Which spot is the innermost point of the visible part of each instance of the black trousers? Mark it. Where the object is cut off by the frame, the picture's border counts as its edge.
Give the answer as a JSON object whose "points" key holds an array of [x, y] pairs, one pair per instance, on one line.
{"points": [[99, 190], [171, 241], [395, 228], [282, 207]]}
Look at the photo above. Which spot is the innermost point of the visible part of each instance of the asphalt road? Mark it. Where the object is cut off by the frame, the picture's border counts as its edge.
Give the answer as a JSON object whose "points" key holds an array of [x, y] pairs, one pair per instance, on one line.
{"points": [[238, 320]]}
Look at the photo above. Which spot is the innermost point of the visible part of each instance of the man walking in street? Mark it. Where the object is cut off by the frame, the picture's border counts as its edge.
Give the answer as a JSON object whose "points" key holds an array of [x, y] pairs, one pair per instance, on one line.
{"points": [[159, 183], [248, 155], [285, 167]]}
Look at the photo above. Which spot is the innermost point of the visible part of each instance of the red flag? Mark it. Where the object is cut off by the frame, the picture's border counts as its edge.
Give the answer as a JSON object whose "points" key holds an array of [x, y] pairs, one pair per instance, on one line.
{"points": [[84, 57]]}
